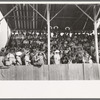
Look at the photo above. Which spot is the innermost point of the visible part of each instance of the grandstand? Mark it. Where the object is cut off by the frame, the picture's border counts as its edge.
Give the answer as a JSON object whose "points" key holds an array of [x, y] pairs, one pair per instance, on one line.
{"points": [[43, 37]]}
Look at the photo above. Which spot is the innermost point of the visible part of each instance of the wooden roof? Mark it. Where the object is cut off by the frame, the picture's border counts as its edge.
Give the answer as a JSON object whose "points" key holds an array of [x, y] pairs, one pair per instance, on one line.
{"points": [[23, 17]]}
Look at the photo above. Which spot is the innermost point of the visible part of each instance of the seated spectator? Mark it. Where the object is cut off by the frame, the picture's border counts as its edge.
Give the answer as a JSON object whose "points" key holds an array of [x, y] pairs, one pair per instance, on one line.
{"points": [[64, 59], [79, 58], [32, 56], [70, 44]]}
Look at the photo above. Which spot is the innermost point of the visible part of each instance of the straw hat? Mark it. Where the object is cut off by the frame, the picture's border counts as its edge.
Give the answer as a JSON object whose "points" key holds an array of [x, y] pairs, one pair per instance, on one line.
{"points": [[19, 53], [57, 51]]}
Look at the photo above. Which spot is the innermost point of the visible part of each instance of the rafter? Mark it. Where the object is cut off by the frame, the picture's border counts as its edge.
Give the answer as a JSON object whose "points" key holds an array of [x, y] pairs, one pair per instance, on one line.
{"points": [[24, 18], [33, 21], [30, 21], [15, 19], [44, 16], [36, 17], [27, 16], [18, 18], [21, 17]]}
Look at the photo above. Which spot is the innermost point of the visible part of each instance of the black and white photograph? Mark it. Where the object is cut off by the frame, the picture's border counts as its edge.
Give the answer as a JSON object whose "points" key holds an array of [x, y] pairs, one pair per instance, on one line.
{"points": [[49, 41]]}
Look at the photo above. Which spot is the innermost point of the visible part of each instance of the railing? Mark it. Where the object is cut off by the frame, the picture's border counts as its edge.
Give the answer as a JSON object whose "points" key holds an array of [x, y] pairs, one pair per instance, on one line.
{"points": [[52, 72]]}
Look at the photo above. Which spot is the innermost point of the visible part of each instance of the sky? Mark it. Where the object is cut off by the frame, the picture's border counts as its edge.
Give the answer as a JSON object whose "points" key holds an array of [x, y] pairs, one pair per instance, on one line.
{"points": [[3, 32]]}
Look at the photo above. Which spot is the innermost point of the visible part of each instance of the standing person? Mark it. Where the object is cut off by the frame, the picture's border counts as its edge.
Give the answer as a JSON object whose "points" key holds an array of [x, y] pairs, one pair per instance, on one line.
{"points": [[32, 56], [57, 57], [90, 60], [39, 59], [27, 59], [9, 59], [18, 58]]}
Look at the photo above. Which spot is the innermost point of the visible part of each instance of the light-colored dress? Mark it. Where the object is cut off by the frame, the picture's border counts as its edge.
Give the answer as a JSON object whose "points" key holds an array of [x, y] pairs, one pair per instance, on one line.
{"points": [[27, 59], [57, 58]]}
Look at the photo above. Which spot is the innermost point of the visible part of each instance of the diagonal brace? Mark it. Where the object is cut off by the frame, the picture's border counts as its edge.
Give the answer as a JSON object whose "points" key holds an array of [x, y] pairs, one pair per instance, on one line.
{"points": [[81, 16], [8, 13], [44, 16], [57, 13], [37, 12], [85, 13], [98, 13]]}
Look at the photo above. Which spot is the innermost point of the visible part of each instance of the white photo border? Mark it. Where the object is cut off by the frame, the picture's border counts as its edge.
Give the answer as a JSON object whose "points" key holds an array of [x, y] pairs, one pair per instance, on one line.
{"points": [[50, 89]]}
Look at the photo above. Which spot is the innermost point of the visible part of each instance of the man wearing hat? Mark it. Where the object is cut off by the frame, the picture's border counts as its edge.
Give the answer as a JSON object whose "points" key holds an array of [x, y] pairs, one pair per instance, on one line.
{"points": [[57, 57], [18, 58]]}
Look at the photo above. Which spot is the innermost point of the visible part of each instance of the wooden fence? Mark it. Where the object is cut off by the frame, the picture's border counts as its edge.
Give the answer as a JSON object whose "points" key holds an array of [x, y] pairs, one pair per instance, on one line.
{"points": [[52, 72]]}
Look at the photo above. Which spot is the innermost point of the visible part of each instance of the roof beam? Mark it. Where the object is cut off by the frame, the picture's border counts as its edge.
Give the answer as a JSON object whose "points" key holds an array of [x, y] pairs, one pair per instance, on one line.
{"points": [[84, 13]]}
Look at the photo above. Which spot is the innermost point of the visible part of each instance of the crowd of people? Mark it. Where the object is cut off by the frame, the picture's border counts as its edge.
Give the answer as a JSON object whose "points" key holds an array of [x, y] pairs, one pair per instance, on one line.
{"points": [[25, 48]]}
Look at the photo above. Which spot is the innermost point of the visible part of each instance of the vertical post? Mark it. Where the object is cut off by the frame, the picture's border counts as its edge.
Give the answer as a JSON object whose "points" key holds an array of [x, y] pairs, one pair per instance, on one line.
{"points": [[96, 35], [48, 30]]}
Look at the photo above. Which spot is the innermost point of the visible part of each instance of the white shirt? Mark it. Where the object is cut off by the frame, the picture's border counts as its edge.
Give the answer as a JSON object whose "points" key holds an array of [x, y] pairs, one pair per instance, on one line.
{"points": [[57, 58]]}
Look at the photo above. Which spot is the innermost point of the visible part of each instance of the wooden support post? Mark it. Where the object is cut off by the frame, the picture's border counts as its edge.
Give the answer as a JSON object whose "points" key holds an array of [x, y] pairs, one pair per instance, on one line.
{"points": [[96, 35], [48, 30]]}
